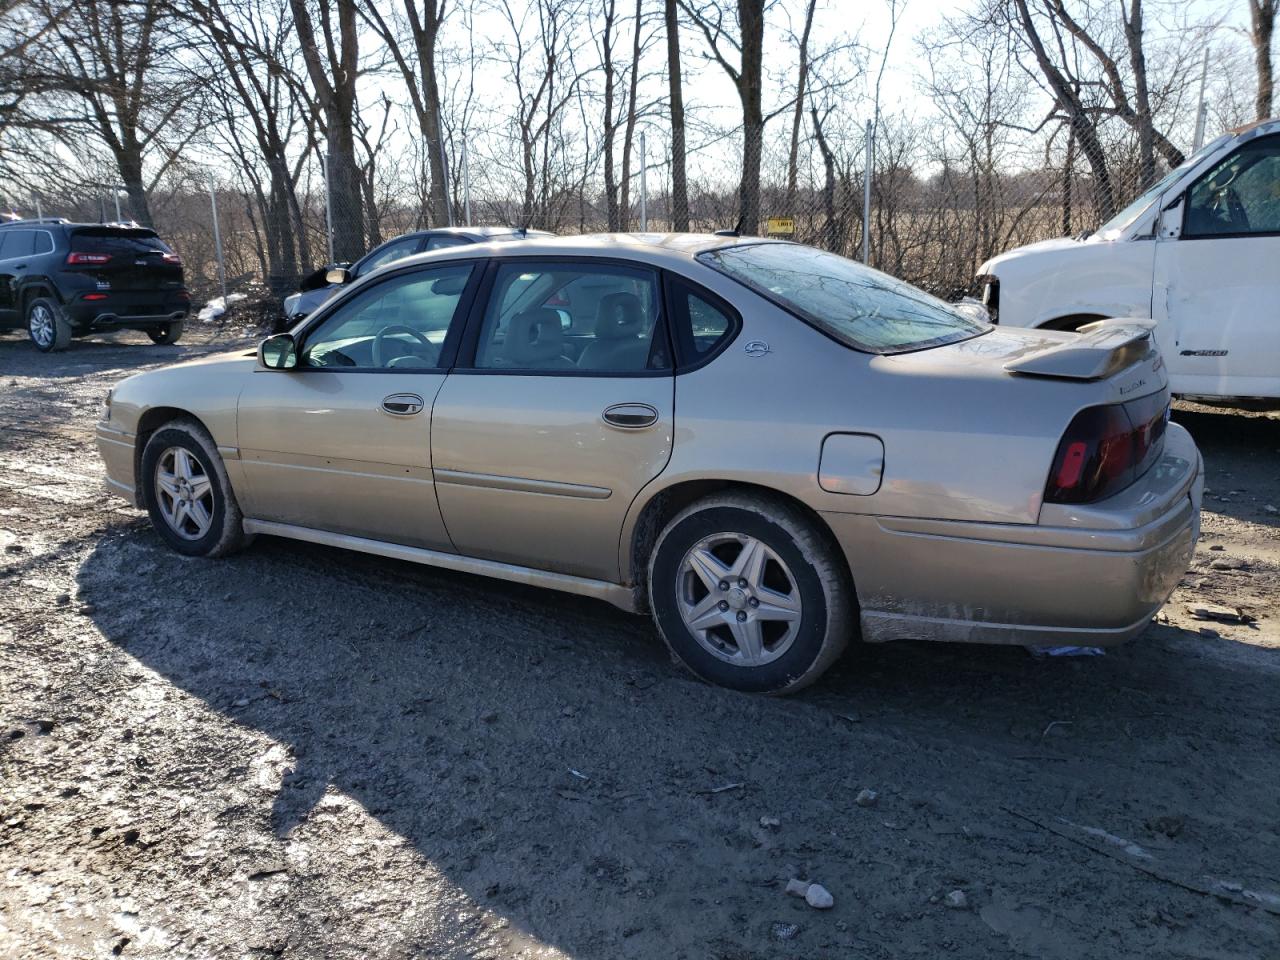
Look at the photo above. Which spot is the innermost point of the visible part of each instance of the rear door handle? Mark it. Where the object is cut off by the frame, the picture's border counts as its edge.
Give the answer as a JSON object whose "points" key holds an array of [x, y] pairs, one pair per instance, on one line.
{"points": [[632, 416], [402, 404]]}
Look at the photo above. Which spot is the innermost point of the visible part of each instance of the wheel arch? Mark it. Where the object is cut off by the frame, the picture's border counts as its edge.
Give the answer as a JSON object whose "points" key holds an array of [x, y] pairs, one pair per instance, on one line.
{"points": [[1071, 321], [152, 419], [36, 288], [649, 517]]}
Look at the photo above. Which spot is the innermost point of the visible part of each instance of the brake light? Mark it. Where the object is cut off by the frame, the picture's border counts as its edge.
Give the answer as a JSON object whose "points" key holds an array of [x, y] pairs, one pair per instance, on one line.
{"points": [[173, 258], [94, 296], [1107, 448], [74, 258]]}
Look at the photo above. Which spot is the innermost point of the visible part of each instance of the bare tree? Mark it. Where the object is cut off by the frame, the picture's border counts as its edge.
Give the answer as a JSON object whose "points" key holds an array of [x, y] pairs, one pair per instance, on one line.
{"points": [[802, 78], [423, 22], [675, 93], [333, 67], [740, 53], [1262, 24]]}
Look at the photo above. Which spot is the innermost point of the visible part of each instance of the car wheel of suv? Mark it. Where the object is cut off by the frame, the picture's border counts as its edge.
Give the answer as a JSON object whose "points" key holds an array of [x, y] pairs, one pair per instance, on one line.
{"points": [[169, 333], [187, 493], [748, 594], [47, 325]]}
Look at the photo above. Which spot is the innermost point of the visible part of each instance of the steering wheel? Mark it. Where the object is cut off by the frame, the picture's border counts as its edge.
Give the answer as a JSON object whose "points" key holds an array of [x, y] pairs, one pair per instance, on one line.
{"points": [[433, 350]]}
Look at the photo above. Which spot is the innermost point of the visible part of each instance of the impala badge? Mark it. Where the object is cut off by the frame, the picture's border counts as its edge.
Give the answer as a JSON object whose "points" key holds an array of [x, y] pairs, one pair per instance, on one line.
{"points": [[756, 348]]}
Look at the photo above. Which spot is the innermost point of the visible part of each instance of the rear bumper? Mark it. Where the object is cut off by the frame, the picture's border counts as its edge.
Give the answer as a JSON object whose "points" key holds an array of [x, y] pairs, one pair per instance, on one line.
{"points": [[1092, 578], [116, 447], [89, 315]]}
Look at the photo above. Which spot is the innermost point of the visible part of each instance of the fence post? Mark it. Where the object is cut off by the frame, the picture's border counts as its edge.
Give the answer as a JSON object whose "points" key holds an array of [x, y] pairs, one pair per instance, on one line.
{"points": [[1203, 109], [866, 197], [328, 206], [466, 183], [217, 248], [644, 193], [444, 182]]}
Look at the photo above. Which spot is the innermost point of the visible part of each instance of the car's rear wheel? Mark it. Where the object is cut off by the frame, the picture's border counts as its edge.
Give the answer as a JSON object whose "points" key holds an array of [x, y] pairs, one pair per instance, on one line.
{"points": [[47, 325], [169, 333], [749, 594], [187, 493]]}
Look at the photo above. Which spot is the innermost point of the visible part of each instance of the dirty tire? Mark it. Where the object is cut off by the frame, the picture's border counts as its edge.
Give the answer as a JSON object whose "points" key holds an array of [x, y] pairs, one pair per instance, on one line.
{"points": [[47, 325], [225, 533], [828, 617], [169, 333]]}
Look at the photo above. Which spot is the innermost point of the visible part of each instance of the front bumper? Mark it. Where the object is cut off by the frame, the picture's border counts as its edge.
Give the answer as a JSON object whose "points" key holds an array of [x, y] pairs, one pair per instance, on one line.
{"points": [[116, 447], [1089, 576]]}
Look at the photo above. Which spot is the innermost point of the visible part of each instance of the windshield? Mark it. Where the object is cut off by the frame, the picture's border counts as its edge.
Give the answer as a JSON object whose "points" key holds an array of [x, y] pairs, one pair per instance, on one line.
{"points": [[862, 308], [1112, 229]]}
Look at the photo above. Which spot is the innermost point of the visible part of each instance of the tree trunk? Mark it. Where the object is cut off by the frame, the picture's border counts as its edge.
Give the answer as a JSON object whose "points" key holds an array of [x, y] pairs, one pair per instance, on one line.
{"points": [[610, 124], [129, 160], [1141, 97], [750, 81], [679, 185], [829, 238], [1262, 22], [793, 157]]}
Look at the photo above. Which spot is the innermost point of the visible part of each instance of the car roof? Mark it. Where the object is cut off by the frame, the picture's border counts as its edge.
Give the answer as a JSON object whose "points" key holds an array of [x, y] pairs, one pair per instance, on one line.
{"points": [[655, 248]]}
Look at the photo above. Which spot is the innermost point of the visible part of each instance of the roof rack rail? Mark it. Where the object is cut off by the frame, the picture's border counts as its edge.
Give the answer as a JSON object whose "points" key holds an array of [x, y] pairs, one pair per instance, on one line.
{"points": [[30, 220]]}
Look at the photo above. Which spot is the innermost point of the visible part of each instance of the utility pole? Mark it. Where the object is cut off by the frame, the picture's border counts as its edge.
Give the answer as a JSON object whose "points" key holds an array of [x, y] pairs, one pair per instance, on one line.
{"points": [[444, 186], [466, 183], [644, 198], [328, 206], [1203, 110], [217, 247], [866, 196]]}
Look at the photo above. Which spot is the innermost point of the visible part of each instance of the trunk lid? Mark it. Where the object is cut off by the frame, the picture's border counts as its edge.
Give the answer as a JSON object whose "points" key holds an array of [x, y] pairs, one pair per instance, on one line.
{"points": [[125, 259]]}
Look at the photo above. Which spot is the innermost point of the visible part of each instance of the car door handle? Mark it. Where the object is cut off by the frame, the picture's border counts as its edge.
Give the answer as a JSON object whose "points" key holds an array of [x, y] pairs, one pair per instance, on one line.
{"points": [[402, 404], [630, 415]]}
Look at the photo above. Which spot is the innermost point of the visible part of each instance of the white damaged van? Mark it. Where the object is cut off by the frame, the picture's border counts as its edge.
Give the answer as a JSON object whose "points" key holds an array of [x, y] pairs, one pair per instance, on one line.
{"points": [[1198, 254]]}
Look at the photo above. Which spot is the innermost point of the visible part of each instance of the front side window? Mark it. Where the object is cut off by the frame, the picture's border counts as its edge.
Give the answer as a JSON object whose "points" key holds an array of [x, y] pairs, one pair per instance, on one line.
{"points": [[398, 323], [1241, 195], [862, 308], [395, 250], [572, 316]]}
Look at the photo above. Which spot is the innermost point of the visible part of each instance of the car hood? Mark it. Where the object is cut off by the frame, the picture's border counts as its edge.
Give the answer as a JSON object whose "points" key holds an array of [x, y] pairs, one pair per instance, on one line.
{"points": [[1058, 244]]}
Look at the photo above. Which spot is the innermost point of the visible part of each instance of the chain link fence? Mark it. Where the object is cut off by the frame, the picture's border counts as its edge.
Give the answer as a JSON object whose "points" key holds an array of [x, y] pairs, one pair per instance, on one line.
{"points": [[937, 207]]}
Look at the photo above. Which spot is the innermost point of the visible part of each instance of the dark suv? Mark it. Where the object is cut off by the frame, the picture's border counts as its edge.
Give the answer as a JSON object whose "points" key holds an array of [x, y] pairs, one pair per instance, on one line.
{"points": [[64, 280]]}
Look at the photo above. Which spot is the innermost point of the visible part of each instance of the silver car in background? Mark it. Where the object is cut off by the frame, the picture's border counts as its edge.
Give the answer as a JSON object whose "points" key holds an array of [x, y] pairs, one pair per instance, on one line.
{"points": [[772, 449]]}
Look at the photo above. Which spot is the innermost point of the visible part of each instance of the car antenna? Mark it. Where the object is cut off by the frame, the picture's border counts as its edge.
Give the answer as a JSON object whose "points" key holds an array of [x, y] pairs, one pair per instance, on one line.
{"points": [[735, 232]]}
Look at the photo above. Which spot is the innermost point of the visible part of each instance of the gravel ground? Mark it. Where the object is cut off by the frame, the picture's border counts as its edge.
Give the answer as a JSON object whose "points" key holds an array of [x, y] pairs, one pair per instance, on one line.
{"points": [[300, 752]]}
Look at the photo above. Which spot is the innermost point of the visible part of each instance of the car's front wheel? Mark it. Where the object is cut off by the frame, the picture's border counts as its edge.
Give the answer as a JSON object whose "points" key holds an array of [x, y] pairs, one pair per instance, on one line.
{"points": [[749, 594], [47, 326], [169, 333], [187, 493]]}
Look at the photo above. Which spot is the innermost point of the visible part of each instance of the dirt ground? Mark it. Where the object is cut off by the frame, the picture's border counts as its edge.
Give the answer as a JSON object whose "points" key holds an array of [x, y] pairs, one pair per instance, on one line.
{"points": [[301, 752]]}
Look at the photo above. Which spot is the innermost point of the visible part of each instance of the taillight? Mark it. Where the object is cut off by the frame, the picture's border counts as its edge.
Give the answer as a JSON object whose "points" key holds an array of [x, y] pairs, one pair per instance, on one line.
{"points": [[87, 258], [173, 258], [1107, 448], [94, 296]]}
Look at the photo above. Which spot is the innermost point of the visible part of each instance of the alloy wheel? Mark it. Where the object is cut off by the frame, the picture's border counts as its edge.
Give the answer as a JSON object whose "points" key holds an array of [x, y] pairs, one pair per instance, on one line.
{"points": [[43, 326], [739, 599], [184, 493]]}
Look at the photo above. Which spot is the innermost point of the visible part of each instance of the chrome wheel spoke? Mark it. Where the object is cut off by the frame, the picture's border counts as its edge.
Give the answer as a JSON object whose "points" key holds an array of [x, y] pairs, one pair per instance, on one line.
{"points": [[705, 614], [750, 563], [200, 487], [184, 493], [199, 516], [777, 606], [180, 515], [182, 463], [749, 640], [708, 568], [167, 482]]}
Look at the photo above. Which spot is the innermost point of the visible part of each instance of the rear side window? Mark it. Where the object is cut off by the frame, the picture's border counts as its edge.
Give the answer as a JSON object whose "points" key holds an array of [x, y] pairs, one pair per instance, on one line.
{"points": [[16, 243], [700, 321], [44, 242], [860, 307], [117, 241]]}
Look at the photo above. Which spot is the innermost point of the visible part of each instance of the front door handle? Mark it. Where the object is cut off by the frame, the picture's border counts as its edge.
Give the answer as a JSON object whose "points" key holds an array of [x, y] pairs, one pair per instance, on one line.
{"points": [[402, 404], [632, 416]]}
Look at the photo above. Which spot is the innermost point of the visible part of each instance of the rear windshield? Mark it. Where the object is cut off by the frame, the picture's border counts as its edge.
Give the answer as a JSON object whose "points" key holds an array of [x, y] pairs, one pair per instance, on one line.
{"points": [[117, 240], [862, 308]]}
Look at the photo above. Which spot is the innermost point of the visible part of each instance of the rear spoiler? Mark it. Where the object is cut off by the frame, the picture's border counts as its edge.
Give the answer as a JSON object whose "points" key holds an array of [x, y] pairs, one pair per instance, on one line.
{"points": [[1101, 349]]}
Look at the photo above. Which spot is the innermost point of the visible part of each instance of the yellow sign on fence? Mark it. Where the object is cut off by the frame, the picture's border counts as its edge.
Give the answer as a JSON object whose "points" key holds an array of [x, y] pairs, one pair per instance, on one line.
{"points": [[780, 226]]}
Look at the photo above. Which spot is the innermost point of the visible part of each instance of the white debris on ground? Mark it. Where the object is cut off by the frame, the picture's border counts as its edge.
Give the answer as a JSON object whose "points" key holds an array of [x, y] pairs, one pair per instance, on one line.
{"points": [[216, 307]]}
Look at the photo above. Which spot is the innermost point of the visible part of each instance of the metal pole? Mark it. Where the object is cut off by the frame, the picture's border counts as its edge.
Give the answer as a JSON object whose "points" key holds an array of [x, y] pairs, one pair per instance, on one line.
{"points": [[328, 205], [444, 181], [644, 193], [1203, 110], [116, 194], [39, 212], [866, 198], [217, 246], [466, 183]]}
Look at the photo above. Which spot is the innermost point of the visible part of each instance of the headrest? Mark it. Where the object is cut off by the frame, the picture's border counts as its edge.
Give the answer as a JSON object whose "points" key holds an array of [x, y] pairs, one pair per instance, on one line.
{"points": [[533, 337], [619, 317]]}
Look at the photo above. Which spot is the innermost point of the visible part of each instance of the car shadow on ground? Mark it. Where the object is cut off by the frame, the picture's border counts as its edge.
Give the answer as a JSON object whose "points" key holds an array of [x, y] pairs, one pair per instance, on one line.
{"points": [[1242, 451], [543, 754]]}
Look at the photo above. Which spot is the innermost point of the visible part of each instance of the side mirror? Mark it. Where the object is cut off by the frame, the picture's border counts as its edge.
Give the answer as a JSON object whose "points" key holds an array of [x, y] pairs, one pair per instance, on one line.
{"points": [[279, 352], [339, 275]]}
